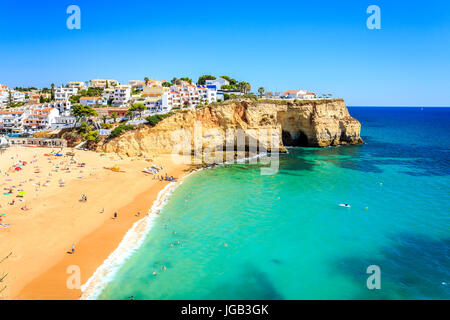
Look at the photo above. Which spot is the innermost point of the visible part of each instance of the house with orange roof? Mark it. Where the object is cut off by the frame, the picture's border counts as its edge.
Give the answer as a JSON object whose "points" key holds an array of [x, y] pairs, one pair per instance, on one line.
{"points": [[299, 94], [92, 101]]}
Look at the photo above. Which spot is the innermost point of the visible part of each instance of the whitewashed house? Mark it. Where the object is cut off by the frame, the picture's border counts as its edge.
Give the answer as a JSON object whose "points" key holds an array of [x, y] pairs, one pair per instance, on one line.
{"points": [[62, 93]]}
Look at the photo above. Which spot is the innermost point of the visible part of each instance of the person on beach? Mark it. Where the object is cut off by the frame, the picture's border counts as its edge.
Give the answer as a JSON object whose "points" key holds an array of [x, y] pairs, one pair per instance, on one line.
{"points": [[138, 214], [115, 215], [103, 210], [73, 249]]}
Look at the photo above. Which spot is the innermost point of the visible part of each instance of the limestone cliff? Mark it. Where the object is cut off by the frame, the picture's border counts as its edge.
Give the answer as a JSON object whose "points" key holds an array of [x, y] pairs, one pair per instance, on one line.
{"points": [[316, 123]]}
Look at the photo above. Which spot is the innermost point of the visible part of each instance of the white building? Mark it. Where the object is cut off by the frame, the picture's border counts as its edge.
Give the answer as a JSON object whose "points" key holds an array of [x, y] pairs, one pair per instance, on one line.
{"points": [[80, 85], [39, 118], [4, 96], [28, 119], [108, 94], [187, 95], [122, 95], [218, 83], [92, 101], [103, 83], [299, 94], [137, 84], [65, 93]]}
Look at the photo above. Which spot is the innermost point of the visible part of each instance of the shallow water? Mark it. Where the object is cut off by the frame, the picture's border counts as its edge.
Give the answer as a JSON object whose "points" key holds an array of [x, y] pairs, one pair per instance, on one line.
{"points": [[286, 236]]}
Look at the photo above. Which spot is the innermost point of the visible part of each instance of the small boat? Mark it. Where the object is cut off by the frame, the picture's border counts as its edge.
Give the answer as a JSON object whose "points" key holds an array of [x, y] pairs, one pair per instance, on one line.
{"points": [[344, 205]]}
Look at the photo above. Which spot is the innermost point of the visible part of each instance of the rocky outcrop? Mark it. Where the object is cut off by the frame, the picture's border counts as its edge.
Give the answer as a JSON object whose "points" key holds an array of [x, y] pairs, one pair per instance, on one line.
{"points": [[267, 123]]}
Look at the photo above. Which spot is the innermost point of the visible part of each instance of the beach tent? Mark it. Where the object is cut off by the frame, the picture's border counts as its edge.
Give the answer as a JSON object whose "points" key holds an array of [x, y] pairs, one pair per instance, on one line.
{"points": [[18, 168]]}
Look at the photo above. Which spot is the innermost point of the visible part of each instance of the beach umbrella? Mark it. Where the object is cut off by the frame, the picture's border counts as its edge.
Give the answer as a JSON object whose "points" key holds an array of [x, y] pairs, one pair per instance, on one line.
{"points": [[18, 168], [22, 193]]}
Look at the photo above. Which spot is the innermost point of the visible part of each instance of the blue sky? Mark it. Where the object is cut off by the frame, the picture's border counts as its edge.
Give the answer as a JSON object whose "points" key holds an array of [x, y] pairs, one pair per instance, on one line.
{"points": [[319, 45]]}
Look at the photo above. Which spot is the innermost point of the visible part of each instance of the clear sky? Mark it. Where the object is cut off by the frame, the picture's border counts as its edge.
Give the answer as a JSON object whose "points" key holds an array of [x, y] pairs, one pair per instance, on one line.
{"points": [[324, 46]]}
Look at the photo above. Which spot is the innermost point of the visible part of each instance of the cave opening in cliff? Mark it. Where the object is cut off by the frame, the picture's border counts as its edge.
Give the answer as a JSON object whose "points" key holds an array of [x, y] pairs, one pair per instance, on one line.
{"points": [[298, 140]]}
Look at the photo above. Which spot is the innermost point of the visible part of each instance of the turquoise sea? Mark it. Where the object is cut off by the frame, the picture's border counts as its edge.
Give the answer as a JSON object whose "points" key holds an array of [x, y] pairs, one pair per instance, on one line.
{"points": [[287, 238]]}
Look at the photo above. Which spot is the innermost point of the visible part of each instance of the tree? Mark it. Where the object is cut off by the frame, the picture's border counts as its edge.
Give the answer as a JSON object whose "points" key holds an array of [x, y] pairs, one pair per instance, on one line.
{"points": [[187, 79], [175, 80], [104, 117], [84, 127], [114, 115], [241, 87], [146, 80], [139, 108], [10, 100], [247, 87], [166, 84], [53, 91], [244, 87], [232, 81], [202, 79], [80, 111], [75, 99], [261, 91], [93, 136]]}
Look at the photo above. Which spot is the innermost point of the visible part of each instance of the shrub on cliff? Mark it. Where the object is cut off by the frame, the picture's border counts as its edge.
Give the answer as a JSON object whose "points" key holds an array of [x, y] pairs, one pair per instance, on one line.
{"points": [[119, 130], [155, 119]]}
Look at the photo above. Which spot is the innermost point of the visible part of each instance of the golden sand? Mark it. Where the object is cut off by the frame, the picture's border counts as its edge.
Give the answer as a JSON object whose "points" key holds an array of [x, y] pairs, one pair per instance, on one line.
{"points": [[41, 227]]}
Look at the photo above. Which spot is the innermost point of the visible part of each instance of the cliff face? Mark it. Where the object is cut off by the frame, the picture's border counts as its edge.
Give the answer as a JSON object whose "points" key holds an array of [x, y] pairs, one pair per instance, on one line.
{"points": [[317, 123]]}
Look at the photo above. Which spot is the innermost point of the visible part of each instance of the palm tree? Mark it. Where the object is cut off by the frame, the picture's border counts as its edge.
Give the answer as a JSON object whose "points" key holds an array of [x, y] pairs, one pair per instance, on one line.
{"points": [[104, 117], [114, 115], [241, 87], [261, 91], [147, 80]]}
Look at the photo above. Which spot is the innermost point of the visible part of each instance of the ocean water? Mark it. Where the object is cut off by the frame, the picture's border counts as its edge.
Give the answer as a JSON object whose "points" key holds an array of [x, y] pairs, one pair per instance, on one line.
{"points": [[287, 238]]}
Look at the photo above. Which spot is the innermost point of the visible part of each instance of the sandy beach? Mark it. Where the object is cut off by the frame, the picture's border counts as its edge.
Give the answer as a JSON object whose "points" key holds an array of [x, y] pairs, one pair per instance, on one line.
{"points": [[41, 219]]}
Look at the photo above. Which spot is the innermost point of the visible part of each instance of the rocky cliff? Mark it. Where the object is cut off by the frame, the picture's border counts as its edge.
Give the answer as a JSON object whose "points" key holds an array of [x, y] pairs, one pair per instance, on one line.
{"points": [[317, 123]]}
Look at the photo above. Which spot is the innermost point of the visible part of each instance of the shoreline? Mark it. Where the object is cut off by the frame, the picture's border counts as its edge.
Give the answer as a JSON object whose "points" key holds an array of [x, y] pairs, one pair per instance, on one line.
{"points": [[114, 244], [41, 272], [130, 243]]}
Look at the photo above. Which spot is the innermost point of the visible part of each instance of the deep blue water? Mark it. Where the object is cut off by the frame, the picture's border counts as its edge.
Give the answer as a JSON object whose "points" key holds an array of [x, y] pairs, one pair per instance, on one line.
{"points": [[286, 236]]}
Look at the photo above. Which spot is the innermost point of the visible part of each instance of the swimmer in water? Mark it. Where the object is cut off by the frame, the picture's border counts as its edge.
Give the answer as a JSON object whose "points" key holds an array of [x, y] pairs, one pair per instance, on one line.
{"points": [[154, 273], [164, 268]]}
